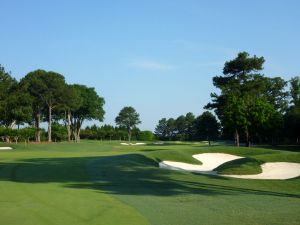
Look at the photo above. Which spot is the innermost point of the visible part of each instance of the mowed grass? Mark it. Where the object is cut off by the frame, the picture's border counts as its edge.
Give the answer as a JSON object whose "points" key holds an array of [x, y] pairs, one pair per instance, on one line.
{"points": [[106, 183], [240, 166]]}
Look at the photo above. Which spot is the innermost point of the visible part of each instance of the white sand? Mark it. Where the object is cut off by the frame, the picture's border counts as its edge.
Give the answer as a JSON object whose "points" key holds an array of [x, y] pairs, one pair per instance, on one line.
{"points": [[275, 170], [210, 161], [133, 143], [124, 144], [139, 143], [5, 148], [159, 143]]}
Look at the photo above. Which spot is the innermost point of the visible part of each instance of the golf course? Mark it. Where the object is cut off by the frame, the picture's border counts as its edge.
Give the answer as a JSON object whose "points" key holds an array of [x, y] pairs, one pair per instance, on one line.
{"points": [[96, 182], [150, 112]]}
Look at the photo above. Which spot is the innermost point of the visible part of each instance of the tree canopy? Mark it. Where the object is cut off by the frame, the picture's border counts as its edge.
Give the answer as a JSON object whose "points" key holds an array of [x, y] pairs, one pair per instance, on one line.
{"points": [[91, 108], [249, 102], [45, 96], [128, 118], [249, 106]]}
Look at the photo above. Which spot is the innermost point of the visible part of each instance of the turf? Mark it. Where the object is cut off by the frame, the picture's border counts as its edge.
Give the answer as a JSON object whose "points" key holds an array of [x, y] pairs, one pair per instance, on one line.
{"points": [[240, 166], [106, 183]]}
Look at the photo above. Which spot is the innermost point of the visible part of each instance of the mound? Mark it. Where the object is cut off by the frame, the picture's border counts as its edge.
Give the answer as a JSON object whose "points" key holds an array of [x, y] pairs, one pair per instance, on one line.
{"points": [[243, 166]]}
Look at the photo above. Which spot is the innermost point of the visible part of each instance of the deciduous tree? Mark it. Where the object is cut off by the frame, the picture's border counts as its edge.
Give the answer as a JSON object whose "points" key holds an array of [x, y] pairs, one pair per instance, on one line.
{"points": [[128, 118], [207, 127], [91, 108]]}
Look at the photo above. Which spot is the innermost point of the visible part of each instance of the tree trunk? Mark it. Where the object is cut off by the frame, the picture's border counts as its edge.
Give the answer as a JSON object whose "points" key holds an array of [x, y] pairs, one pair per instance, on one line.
{"points": [[50, 124], [37, 127], [11, 125], [237, 138], [247, 138], [78, 136], [74, 134], [260, 139], [78, 126], [73, 128], [273, 141], [7, 139], [129, 135], [68, 124]]}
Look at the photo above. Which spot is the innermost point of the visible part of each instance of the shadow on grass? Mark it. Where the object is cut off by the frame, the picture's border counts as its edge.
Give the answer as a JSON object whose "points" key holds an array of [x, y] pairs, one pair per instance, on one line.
{"points": [[131, 174], [206, 146], [292, 148], [154, 150]]}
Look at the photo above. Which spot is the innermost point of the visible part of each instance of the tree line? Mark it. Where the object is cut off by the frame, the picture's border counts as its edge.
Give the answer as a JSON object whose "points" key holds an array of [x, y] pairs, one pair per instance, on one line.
{"points": [[250, 107], [44, 96], [189, 128], [255, 107], [109, 133], [127, 121]]}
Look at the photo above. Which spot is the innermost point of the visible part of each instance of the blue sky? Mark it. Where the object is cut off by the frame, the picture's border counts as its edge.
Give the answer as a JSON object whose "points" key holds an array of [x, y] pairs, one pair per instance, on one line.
{"points": [[158, 56]]}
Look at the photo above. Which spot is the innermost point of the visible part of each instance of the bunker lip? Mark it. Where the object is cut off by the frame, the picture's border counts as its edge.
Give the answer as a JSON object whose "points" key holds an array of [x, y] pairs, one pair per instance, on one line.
{"points": [[275, 170]]}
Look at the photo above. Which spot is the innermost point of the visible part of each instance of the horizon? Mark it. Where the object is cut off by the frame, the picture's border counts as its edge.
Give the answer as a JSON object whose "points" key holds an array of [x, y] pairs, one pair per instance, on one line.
{"points": [[156, 57]]}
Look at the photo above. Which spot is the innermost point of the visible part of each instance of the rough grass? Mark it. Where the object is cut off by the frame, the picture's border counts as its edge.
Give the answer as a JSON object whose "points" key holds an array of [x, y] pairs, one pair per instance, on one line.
{"points": [[105, 183]]}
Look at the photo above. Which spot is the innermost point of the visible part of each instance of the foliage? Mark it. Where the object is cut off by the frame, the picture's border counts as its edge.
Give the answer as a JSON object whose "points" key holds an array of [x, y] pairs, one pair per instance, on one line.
{"points": [[145, 136], [292, 117], [59, 132], [105, 132], [27, 133], [248, 101], [91, 108], [250, 105], [295, 90], [188, 128], [207, 127], [128, 118], [15, 105], [161, 130]]}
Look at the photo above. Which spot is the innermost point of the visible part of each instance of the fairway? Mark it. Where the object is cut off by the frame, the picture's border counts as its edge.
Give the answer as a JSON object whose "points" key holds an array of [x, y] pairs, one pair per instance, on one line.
{"points": [[107, 183]]}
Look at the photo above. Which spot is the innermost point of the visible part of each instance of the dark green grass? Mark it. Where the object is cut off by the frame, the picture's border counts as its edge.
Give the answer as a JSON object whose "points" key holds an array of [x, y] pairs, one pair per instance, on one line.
{"points": [[106, 183]]}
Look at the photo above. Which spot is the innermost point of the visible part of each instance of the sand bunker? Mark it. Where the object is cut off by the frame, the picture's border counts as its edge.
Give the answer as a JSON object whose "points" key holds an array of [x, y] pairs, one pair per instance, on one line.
{"points": [[275, 170], [139, 143], [159, 143], [210, 161], [133, 143], [5, 148], [124, 144]]}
